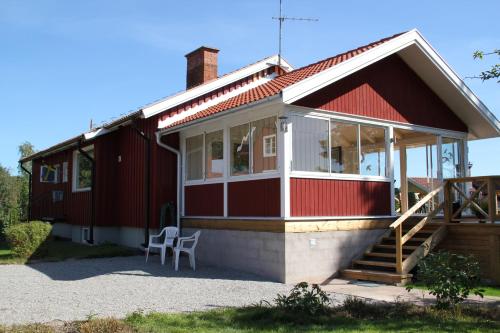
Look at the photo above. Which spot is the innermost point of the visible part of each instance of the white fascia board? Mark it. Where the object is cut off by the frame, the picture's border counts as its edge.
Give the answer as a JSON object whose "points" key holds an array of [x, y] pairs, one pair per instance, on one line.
{"points": [[413, 37], [92, 134], [170, 120], [170, 102]]}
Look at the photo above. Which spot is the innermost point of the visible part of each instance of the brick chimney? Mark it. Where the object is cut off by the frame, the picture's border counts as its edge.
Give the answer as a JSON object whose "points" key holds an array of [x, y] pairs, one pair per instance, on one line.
{"points": [[201, 66]]}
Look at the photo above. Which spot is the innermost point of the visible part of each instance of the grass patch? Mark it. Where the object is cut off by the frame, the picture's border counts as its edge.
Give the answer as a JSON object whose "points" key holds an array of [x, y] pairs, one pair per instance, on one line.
{"points": [[271, 319], [488, 290], [57, 250], [264, 319]]}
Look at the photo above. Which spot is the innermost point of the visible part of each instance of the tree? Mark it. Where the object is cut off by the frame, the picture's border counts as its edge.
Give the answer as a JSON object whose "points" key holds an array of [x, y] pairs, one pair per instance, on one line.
{"points": [[9, 198], [494, 71], [25, 149]]}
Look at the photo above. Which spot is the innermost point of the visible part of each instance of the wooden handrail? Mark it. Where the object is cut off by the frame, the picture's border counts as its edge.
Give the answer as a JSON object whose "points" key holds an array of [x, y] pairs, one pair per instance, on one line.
{"points": [[416, 207]]}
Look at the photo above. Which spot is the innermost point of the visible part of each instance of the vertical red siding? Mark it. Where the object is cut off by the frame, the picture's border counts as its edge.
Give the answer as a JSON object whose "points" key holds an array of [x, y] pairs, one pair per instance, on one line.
{"points": [[331, 197], [204, 200], [388, 90], [254, 198]]}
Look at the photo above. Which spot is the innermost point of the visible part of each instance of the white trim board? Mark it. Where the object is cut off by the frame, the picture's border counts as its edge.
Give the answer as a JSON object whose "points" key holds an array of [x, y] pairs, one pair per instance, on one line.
{"points": [[170, 102]]}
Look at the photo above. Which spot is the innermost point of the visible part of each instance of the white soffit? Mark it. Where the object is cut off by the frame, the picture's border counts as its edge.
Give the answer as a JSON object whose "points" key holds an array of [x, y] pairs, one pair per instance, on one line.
{"points": [[427, 63], [170, 102]]}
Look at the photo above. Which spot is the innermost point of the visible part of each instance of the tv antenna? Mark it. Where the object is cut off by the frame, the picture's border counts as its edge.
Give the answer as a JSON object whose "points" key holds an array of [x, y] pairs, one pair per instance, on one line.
{"points": [[282, 18]]}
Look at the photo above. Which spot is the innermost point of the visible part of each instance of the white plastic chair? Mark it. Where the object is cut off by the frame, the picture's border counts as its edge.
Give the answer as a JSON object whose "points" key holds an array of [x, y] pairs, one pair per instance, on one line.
{"points": [[170, 234], [181, 247]]}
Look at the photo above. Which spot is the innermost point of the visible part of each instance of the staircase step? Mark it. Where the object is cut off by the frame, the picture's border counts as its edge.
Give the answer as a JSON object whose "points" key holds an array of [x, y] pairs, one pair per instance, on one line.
{"points": [[375, 263], [384, 255], [393, 246], [377, 276]]}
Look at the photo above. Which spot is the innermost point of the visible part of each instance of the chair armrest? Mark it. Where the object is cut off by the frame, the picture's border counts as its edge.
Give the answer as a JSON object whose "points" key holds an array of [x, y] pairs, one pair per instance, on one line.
{"points": [[182, 240]]}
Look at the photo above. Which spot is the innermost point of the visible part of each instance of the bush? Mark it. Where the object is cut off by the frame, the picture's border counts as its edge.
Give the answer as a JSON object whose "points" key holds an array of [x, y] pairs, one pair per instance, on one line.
{"points": [[450, 277], [26, 238], [303, 299]]}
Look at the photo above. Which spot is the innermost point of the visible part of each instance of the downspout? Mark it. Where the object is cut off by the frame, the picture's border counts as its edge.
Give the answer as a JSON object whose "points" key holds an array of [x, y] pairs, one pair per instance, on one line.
{"points": [[92, 192], [179, 176], [147, 180], [29, 188]]}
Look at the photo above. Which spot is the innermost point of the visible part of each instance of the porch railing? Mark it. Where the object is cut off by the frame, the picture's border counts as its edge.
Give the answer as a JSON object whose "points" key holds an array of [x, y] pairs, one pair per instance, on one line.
{"points": [[472, 199]]}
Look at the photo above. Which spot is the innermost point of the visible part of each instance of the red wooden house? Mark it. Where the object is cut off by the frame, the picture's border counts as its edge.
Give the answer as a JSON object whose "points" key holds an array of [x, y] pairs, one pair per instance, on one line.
{"points": [[291, 173]]}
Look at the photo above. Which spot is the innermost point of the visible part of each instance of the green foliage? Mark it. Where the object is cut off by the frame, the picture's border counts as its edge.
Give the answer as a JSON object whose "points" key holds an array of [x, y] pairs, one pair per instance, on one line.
{"points": [[304, 299], [26, 238], [25, 149], [494, 71], [9, 200], [450, 277]]}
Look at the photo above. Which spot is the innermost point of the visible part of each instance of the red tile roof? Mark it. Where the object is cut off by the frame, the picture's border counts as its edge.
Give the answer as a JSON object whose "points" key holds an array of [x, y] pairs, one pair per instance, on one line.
{"points": [[277, 84]]}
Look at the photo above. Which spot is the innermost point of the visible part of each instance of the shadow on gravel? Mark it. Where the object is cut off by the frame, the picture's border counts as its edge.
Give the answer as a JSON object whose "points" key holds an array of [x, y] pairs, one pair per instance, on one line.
{"points": [[72, 270]]}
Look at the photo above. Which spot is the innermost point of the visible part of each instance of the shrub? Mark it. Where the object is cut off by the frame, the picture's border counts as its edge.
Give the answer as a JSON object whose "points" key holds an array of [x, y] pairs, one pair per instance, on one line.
{"points": [[450, 277], [26, 238], [304, 299]]}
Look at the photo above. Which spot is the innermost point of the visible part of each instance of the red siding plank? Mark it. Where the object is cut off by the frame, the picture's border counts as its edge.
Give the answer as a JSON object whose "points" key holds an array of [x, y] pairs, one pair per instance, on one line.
{"points": [[254, 198], [310, 197]]}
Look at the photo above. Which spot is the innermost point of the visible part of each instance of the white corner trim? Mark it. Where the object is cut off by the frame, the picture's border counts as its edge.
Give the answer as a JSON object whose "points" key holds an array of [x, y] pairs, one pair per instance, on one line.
{"points": [[182, 115], [356, 63], [170, 102]]}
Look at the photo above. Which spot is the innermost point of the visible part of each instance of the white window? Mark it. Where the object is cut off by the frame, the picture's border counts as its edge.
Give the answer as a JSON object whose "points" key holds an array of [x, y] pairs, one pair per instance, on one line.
{"points": [[240, 149], [310, 144], [82, 170], [57, 196], [194, 157], [264, 145], [214, 154], [348, 148], [65, 172], [269, 145], [49, 173]]}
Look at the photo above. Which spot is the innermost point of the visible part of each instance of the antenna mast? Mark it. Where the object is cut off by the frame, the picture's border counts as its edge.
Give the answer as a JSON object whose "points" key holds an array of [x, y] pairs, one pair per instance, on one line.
{"points": [[281, 19]]}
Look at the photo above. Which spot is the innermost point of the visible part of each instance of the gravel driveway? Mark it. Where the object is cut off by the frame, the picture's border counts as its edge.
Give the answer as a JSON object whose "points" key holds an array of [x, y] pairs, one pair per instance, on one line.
{"points": [[74, 290]]}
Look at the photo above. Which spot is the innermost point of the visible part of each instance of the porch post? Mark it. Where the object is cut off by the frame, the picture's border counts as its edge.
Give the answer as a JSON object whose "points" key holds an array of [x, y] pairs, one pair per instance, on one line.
{"points": [[390, 165], [285, 161], [404, 179]]}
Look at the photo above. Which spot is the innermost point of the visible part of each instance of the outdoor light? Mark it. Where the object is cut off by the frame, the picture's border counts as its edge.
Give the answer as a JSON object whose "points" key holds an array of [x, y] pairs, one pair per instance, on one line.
{"points": [[283, 123]]}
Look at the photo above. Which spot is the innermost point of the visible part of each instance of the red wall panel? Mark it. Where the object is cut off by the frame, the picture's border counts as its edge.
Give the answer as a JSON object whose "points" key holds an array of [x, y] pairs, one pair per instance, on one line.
{"points": [[332, 197], [388, 90], [204, 200], [254, 198]]}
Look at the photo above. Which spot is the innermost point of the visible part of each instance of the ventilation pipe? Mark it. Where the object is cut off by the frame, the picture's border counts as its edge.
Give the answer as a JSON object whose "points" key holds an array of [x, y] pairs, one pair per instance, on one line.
{"points": [[179, 175]]}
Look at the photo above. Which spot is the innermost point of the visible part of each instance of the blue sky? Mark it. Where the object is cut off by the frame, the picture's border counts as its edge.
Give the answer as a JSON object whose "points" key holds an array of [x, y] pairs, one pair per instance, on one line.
{"points": [[66, 62]]}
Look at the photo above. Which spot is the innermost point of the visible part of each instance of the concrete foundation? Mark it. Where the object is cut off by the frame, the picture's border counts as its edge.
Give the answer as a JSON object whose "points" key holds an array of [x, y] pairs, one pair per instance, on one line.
{"points": [[132, 237], [289, 257], [284, 257]]}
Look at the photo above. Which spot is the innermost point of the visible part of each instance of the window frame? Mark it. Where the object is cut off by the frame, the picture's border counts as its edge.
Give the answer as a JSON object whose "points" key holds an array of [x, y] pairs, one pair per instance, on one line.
{"points": [[345, 176], [225, 127], [75, 170], [265, 153], [56, 174]]}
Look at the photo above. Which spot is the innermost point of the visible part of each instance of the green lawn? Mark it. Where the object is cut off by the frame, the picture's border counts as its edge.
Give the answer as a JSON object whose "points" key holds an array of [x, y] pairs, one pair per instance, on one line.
{"points": [[488, 290], [57, 250], [396, 318], [266, 320]]}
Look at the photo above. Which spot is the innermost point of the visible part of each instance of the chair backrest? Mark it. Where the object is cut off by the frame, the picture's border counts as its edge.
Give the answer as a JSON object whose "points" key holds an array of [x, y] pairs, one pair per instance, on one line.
{"points": [[170, 233], [194, 236]]}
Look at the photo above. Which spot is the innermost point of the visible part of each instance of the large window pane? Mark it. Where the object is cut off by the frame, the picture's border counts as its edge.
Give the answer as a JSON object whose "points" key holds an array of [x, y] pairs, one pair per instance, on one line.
{"points": [[240, 150], [84, 170], [214, 154], [451, 157], [344, 151], [194, 157], [310, 144], [264, 145], [372, 151]]}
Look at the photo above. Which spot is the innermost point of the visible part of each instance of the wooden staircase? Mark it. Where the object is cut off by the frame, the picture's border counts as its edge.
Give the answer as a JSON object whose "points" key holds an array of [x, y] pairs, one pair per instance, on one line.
{"points": [[398, 251]]}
